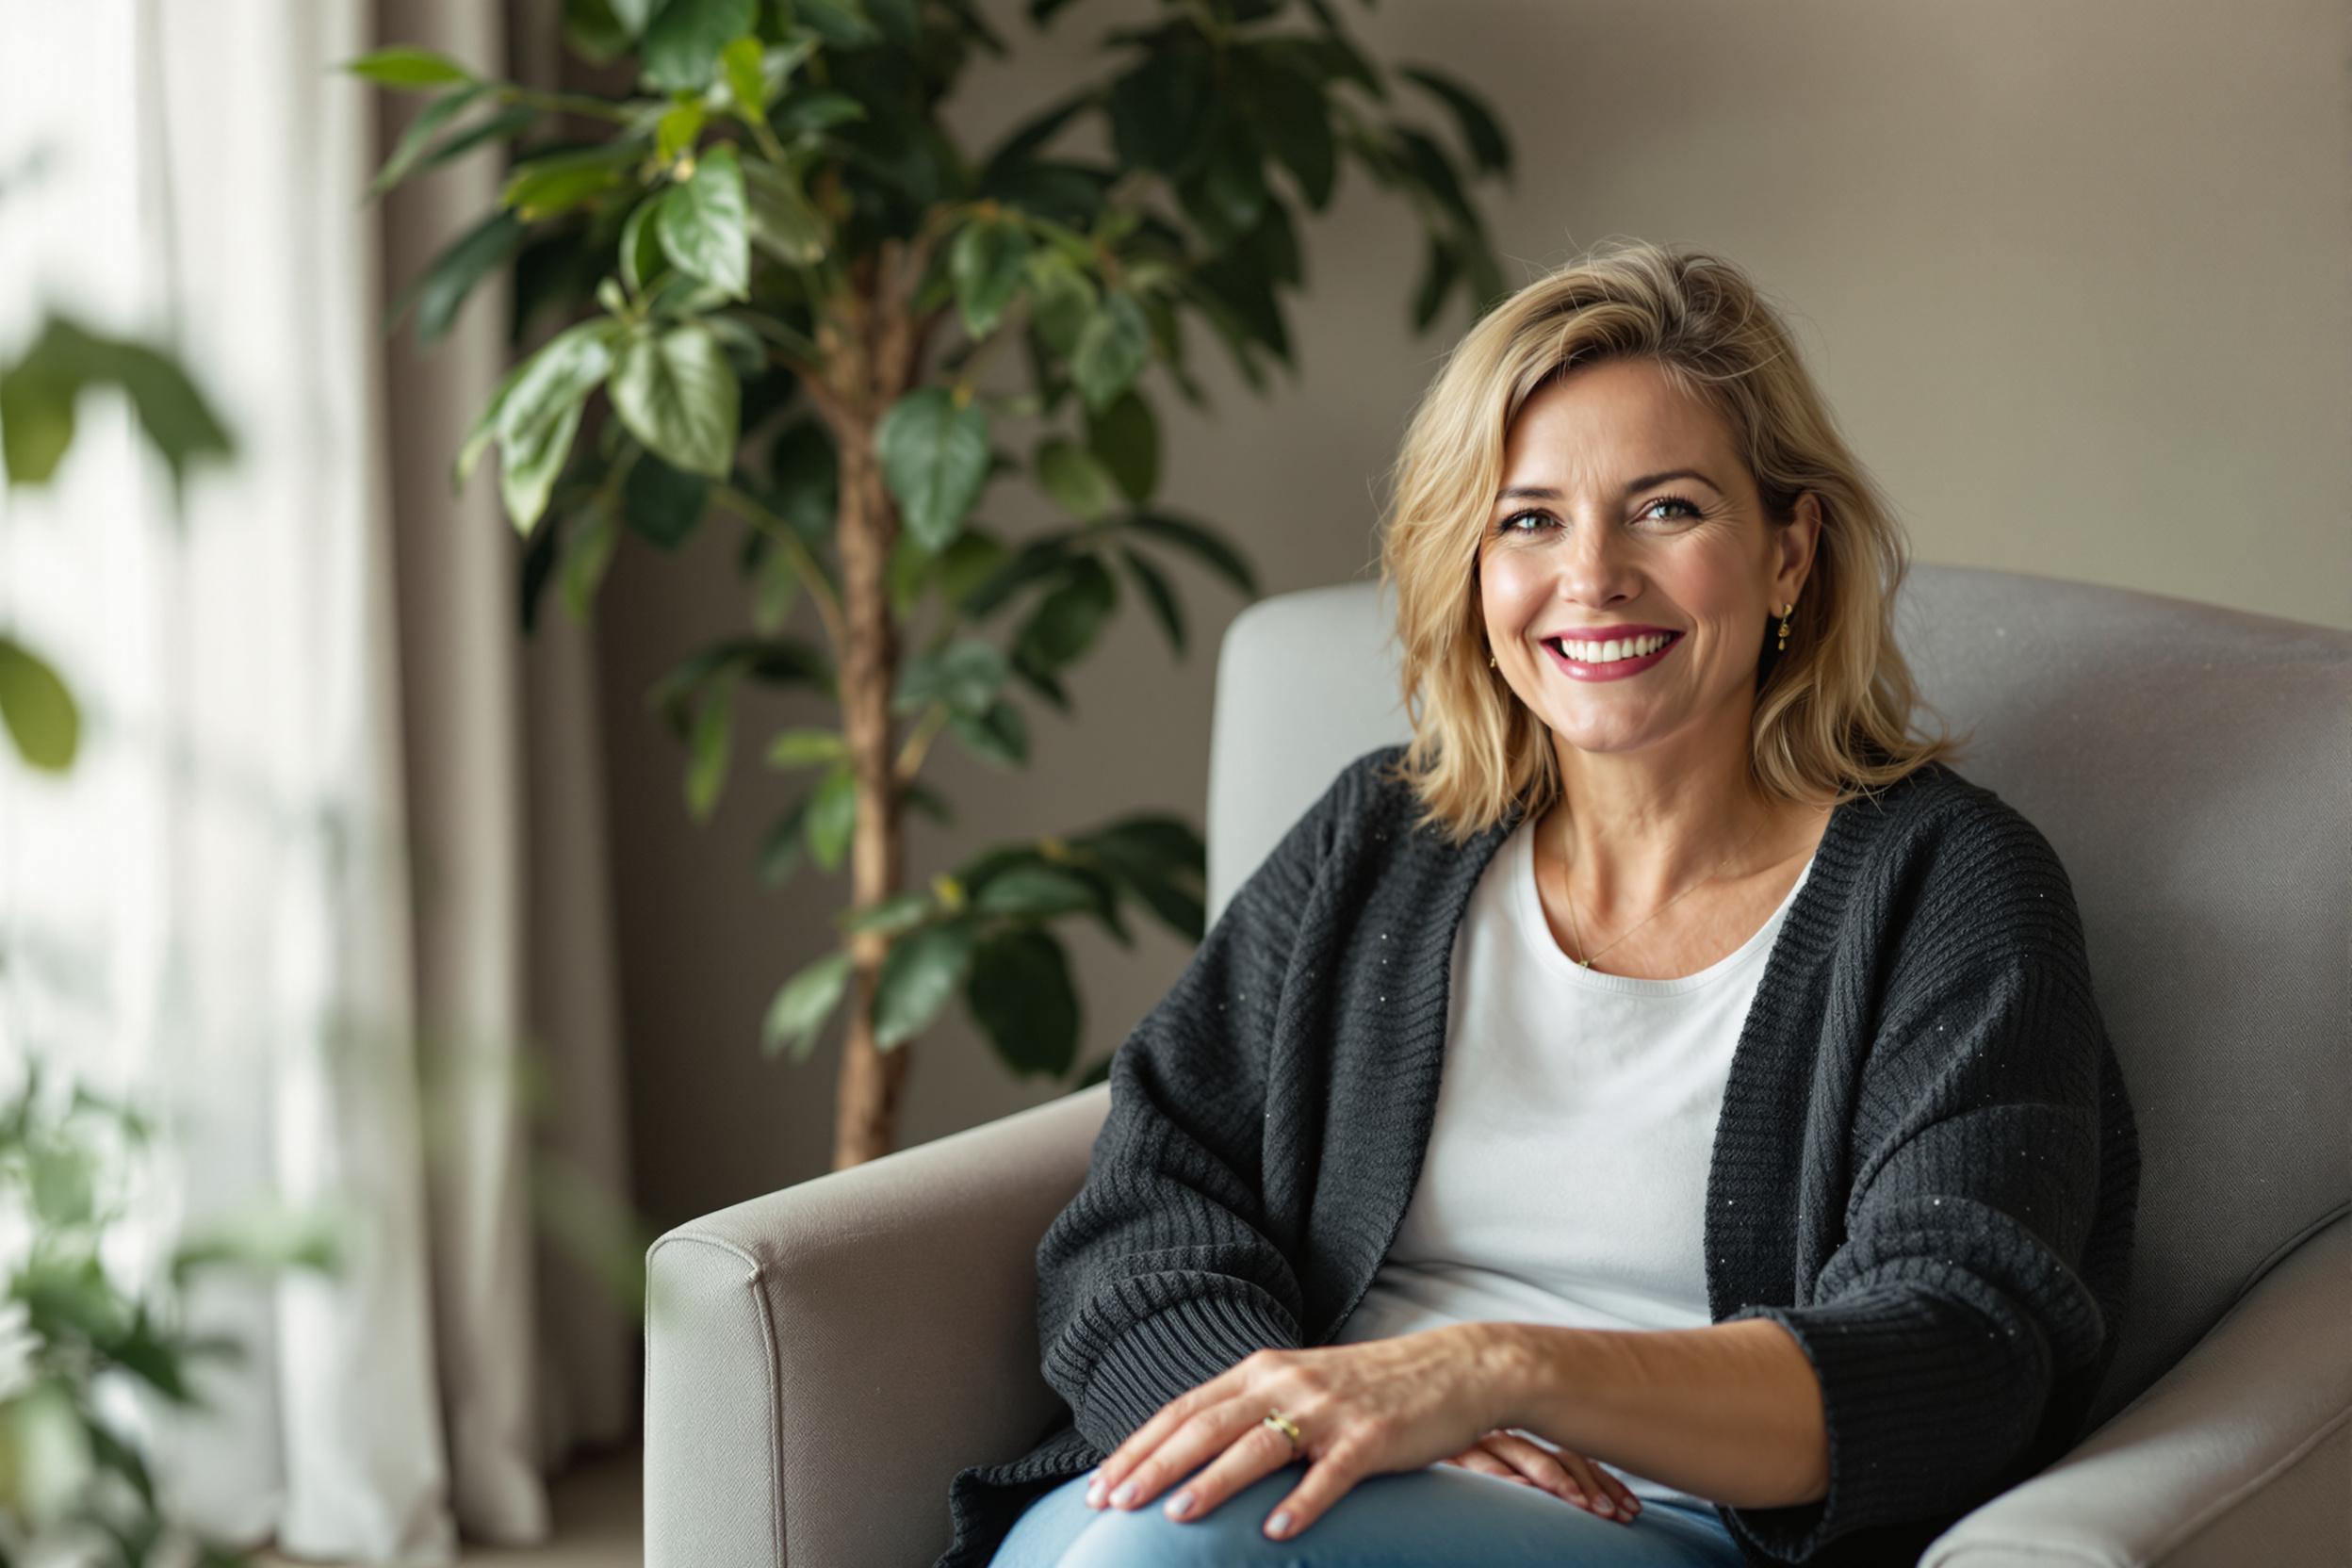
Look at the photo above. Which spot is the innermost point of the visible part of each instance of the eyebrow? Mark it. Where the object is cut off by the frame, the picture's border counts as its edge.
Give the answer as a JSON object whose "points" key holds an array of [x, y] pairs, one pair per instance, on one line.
{"points": [[1543, 493]]}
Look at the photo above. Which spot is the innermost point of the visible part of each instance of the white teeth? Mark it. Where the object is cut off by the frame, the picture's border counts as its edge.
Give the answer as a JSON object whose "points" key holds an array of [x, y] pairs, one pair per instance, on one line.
{"points": [[1612, 650]]}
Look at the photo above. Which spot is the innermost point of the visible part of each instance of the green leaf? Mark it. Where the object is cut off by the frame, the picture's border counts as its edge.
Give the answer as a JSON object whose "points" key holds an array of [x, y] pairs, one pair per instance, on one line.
{"points": [[841, 24], [535, 415], [1274, 246], [803, 1004], [1037, 890], [1490, 149], [61, 1181], [704, 228], [39, 395], [832, 816], [441, 288], [678, 395], [587, 553], [641, 244], [894, 914], [1156, 108], [408, 68], [1229, 191], [1062, 302], [1429, 166], [1438, 276], [557, 182], [1065, 623], [710, 748], [38, 707], [1111, 350], [1161, 861], [1076, 481], [680, 51], [1126, 437], [805, 114], [804, 748], [909, 569], [1208, 548], [780, 851], [923, 797], [999, 735], [782, 221], [1019, 995], [422, 127], [496, 127], [967, 563], [966, 675], [934, 458], [594, 31], [988, 262], [918, 974], [1290, 110], [740, 63], [263, 1238], [677, 128], [1037, 558], [663, 505], [1158, 594]]}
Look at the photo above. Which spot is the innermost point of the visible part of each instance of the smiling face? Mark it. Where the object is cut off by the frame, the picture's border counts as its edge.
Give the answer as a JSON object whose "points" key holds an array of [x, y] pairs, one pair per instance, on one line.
{"points": [[1623, 506]]}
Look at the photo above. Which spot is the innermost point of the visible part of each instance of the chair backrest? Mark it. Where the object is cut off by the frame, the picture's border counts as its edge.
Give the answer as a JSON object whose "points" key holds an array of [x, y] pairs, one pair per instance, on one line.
{"points": [[2191, 765]]}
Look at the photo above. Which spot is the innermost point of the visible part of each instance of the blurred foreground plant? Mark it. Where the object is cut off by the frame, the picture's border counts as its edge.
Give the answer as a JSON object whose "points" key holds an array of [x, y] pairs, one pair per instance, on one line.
{"points": [[73, 1484]]}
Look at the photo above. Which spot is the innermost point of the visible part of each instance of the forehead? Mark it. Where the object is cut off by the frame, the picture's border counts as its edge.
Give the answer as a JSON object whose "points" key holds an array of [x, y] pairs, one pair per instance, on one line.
{"points": [[1601, 423]]}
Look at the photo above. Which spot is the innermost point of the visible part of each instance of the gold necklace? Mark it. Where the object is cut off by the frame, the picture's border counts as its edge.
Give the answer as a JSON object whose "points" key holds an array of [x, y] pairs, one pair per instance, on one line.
{"points": [[1564, 879]]}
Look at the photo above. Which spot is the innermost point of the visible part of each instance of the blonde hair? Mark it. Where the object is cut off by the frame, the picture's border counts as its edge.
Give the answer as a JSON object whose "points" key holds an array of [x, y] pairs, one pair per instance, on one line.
{"points": [[1832, 713]]}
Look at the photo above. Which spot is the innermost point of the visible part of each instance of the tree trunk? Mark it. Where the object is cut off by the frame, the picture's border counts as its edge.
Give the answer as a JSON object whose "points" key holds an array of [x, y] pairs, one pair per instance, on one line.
{"points": [[866, 1122]]}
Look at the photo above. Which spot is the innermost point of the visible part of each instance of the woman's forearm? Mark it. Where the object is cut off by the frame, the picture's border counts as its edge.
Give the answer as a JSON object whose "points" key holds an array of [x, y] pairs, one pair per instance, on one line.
{"points": [[1731, 1413]]}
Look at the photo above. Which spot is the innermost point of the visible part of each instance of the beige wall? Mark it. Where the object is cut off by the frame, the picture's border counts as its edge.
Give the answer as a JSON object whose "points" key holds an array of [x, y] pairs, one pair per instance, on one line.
{"points": [[2077, 277]]}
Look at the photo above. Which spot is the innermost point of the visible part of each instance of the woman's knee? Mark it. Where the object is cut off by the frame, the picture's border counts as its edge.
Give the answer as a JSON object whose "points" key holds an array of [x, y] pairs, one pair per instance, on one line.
{"points": [[1146, 1536]]}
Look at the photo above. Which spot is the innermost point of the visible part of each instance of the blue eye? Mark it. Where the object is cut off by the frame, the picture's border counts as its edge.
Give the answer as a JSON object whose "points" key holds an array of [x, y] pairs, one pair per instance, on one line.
{"points": [[1506, 525]]}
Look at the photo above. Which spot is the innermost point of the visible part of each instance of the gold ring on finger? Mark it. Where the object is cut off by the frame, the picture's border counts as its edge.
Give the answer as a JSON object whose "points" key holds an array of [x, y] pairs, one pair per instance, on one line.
{"points": [[1281, 1423]]}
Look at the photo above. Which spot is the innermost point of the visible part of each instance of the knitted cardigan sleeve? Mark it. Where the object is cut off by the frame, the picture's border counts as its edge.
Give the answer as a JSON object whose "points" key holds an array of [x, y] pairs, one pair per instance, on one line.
{"points": [[1157, 1276], [1939, 1325]]}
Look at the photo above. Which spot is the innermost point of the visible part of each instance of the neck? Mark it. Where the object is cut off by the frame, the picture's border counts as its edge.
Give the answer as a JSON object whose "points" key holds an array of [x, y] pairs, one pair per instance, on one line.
{"points": [[1634, 833]]}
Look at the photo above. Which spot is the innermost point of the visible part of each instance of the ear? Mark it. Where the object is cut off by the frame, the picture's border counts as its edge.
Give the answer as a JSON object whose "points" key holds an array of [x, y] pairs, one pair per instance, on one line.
{"points": [[1798, 541]]}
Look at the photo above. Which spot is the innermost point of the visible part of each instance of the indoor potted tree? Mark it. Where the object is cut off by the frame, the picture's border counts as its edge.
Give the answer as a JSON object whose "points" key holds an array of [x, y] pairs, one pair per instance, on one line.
{"points": [[780, 278]]}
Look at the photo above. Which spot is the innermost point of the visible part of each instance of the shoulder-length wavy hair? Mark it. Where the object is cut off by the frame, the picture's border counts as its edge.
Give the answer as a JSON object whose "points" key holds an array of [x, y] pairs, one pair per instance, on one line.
{"points": [[1833, 713]]}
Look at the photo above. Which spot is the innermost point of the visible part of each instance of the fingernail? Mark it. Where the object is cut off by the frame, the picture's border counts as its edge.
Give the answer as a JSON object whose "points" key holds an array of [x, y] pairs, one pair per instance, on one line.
{"points": [[1279, 1524], [1124, 1495], [1180, 1505], [1094, 1493], [1605, 1506]]}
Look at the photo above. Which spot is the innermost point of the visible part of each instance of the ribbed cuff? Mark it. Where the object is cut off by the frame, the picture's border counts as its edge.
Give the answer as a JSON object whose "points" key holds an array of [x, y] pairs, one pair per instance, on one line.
{"points": [[1172, 1352], [1926, 1401]]}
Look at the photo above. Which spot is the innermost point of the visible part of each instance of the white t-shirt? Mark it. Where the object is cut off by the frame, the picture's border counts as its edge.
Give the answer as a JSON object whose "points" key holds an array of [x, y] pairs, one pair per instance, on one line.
{"points": [[1565, 1179]]}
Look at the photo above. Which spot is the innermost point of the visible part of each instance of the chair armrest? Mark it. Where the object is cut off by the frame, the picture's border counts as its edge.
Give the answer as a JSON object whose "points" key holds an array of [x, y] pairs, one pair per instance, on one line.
{"points": [[820, 1361], [2242, 1453]]}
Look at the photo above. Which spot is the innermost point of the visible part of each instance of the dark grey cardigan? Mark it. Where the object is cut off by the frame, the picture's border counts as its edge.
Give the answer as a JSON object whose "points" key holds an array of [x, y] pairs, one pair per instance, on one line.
{"points": [[1926, 1166]]}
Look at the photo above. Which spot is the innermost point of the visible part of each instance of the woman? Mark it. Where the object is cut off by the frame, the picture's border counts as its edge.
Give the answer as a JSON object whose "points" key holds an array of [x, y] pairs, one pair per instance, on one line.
{"points": [[1659, 1114]]}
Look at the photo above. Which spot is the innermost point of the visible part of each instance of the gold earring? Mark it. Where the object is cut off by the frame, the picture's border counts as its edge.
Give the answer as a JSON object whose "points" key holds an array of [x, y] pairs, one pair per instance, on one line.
{"points": [[1783, 624], [1489, 660]]}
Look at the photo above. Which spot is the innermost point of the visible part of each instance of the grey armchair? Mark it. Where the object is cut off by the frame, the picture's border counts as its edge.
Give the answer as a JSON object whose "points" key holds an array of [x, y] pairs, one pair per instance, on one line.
{"points": [[820, 1361]]}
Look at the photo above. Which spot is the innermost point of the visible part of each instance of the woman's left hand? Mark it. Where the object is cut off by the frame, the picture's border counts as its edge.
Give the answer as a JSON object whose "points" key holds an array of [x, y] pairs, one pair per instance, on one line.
{"points": [[1363, 1409]]}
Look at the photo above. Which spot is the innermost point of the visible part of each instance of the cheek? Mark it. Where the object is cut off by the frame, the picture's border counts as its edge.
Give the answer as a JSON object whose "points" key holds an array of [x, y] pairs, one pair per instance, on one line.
{"points": [[1507, 581]]}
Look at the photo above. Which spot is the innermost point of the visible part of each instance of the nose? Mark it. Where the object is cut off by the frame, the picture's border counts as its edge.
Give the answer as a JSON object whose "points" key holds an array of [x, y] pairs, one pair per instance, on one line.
{"points": [[1596, 568]]}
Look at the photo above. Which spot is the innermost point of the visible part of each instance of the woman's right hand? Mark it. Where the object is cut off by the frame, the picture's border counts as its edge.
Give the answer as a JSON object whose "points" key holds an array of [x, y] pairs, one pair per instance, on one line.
{"points": [[1563, 1474]]}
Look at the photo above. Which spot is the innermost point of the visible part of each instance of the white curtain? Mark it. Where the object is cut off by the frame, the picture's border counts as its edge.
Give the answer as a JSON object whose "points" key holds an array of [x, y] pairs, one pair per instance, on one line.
{"points": [[290, 895]]}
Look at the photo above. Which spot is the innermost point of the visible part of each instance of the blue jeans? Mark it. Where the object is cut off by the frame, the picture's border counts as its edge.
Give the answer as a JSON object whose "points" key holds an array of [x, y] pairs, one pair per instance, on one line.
{"points": [[1436, 1515]]}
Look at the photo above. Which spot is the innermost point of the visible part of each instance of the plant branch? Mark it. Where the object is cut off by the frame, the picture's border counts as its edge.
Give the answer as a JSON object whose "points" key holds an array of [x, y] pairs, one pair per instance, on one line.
{"points": [[811, 575], [566, 103], [919, 742]]}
